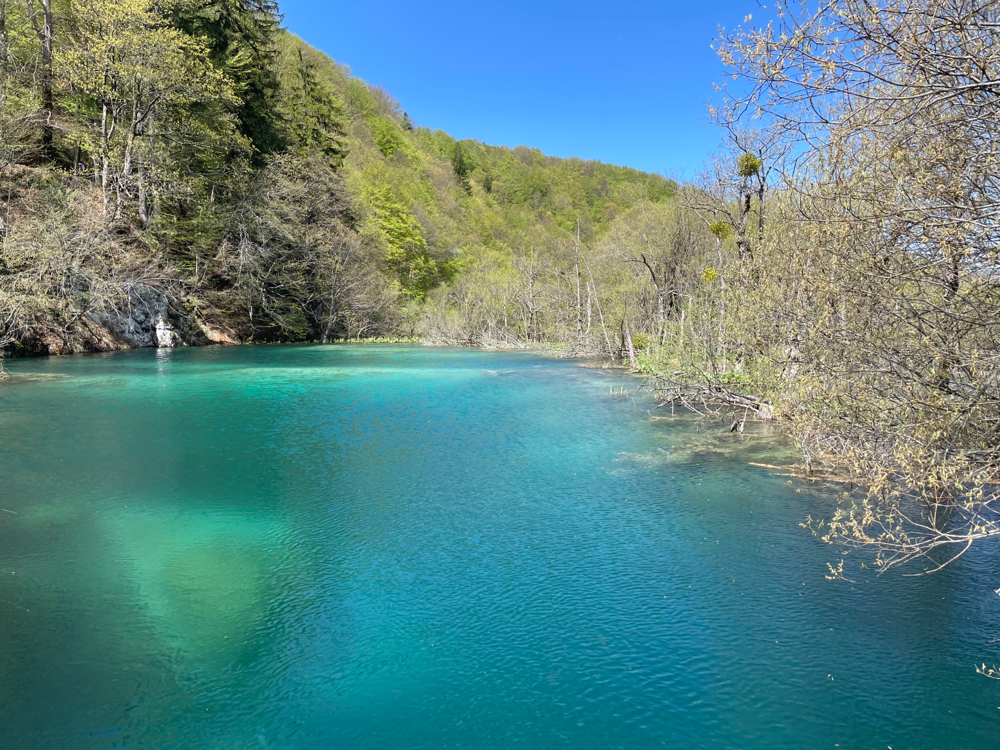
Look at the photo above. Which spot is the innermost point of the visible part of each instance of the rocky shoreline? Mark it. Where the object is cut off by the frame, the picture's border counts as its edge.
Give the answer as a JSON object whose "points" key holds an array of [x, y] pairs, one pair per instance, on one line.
{"points": [[148, 319]]}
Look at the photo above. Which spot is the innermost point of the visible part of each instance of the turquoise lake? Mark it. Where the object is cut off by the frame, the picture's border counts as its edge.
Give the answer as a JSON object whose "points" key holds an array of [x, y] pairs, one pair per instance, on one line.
{"points": [[404, 547]]}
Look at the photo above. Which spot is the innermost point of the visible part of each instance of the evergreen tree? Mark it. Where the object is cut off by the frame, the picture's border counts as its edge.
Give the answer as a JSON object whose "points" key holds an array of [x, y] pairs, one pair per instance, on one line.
{"points": [[312, 111], [240, 35], [462, 166]]}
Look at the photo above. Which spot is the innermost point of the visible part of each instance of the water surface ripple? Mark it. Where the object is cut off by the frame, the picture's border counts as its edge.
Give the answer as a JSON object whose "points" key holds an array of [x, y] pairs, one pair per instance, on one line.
{"points": [[400, 547]]}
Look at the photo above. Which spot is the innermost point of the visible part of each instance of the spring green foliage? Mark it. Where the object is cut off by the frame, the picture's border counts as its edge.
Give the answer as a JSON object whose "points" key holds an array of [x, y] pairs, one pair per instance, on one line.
{"points": [[748, 165], [406, 249], [640, 341], [720, 229]]}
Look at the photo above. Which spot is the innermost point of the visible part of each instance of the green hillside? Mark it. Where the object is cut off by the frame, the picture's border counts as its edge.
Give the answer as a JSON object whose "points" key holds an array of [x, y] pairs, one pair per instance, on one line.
{"points": [[249, 188]]}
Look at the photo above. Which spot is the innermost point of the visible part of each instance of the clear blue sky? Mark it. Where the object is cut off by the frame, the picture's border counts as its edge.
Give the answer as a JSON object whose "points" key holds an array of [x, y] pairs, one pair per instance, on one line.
{"points": [[625, 82]]}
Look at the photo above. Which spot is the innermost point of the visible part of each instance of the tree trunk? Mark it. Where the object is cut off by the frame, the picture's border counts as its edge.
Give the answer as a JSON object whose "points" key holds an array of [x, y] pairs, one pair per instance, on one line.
{"points": [[742, 243], [4, 38], [126, 170], [579, 299], [627, 335], [760, 212], [952, 276], [105, 164], [600, 314], [143, 198], [45, 36], [661, 319], [722, 308]]}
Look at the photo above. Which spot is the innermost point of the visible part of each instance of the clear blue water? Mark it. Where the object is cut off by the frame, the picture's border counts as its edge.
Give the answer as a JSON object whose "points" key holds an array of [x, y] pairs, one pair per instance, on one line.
{"points": [[400, 547]]}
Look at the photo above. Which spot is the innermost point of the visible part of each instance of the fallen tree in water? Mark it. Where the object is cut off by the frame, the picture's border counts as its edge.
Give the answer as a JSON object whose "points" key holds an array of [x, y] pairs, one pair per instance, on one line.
{"points": [[711, 399]]}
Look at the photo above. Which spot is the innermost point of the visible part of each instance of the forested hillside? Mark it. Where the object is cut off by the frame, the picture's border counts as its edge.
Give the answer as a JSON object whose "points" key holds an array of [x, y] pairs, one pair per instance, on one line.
{"points": [[186, 171]]}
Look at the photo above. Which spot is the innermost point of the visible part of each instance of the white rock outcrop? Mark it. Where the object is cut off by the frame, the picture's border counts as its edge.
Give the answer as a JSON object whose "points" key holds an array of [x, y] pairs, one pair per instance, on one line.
{"points": [[165, 335]]}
